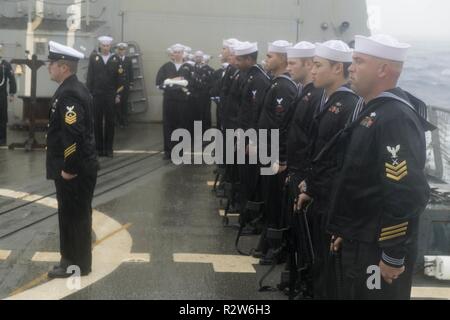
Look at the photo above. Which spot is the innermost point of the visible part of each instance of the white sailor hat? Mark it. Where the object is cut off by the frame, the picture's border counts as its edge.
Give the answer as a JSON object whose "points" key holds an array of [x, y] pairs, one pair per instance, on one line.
{"points": [[302, 49], [279, 46], [382, 46], [335, 50], [106, 40], [178, 47], [234, 45], [206, 57], [199, 53], [187, 49], [122, 45], [245, 48], [228, 43], [58, 51]]}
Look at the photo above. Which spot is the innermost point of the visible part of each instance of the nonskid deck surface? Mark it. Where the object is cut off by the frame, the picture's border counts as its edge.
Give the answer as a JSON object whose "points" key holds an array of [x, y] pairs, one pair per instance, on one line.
{"points": [[158, 231]]}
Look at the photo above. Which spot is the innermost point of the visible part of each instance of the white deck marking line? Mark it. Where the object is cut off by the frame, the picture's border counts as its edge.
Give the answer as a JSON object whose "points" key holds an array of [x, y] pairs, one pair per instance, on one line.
{"points": [[138, 258], [4, 254], [137, 152], [220, 262], [107, 256], [46, 257], [55, 257], [19, 195], [196, 153], [20, 148], [222, 214], [430, 293], [211, 183]]}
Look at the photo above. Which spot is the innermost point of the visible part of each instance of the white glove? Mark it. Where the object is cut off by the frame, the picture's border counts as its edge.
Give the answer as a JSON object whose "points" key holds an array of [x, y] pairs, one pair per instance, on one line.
{"points": [[171, 82], [276, 167]]}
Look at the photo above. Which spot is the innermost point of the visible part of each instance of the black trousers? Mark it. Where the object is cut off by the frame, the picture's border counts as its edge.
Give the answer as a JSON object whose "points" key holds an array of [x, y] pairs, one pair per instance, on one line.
{"points": [[272, 193], [219, 115], [299, 244], [324, 285], [75, 219], [3, 116], [174, 117], [231, 169], [358, 256], [122, 108], [196, 108], [250, 187], [104, 113], [205, 101]]}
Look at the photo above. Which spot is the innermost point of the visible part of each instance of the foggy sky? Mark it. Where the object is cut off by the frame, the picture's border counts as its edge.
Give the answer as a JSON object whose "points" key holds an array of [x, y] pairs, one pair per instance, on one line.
{"points": [[413, 19]]}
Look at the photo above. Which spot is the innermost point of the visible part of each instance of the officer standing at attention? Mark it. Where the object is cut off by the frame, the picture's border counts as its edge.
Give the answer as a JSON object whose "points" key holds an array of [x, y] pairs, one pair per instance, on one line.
{"points": [[300, 64], [71, 160], [6, 77], [216, 87], [381, 188], [276, 114], [255, 83], [127, 64], [207, 74], [330, 72], [105, 81], [175, 108]]}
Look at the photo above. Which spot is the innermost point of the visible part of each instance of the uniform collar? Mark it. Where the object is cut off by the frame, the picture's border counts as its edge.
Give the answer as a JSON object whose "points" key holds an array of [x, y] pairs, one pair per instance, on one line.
{"points": [[69, 80]]}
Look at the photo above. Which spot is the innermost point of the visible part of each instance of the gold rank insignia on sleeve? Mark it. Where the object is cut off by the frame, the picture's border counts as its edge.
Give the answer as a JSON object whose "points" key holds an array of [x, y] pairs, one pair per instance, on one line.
{"points": [[393, 232], [121, 88], [71, 116], [396, 171], [70, 150]]}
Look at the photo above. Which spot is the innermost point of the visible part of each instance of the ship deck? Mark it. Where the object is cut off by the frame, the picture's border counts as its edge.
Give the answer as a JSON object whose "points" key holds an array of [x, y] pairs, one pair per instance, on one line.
{"points": [[158, 231]]}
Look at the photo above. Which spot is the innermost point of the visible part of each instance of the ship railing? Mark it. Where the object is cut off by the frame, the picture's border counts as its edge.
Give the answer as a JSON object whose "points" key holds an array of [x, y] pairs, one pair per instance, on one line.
{"points": [[438, 144]]}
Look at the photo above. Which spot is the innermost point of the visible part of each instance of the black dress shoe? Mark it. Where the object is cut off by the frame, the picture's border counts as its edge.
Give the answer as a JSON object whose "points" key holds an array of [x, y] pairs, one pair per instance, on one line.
{"points": [[109, 154], [265, 261], [248, 231], [59, 273], [166, 156], [257, 254], [85, 272]]}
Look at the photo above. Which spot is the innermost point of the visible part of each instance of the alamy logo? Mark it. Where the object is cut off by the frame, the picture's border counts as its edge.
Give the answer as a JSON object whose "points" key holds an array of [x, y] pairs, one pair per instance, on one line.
{"points": [[74, 281], [374, 280], [241, 147]]}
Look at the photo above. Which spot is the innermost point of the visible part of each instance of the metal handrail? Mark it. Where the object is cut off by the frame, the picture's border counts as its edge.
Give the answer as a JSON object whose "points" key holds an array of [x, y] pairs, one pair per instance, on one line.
{"points": [[440, 117]]}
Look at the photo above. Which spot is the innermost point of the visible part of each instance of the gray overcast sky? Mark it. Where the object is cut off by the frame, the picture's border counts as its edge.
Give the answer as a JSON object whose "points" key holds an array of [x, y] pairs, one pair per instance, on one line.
{"points": [[412, 19]]}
